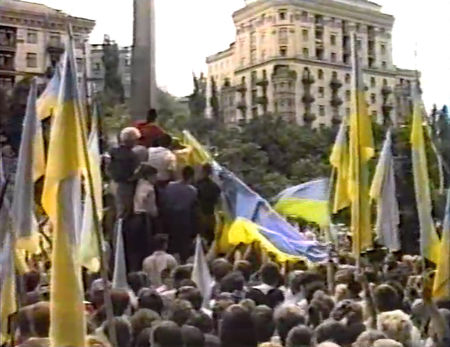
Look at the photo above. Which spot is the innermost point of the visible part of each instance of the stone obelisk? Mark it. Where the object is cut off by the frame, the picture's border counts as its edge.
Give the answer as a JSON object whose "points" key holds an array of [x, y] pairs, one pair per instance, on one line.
{"points": [[143, 78]]}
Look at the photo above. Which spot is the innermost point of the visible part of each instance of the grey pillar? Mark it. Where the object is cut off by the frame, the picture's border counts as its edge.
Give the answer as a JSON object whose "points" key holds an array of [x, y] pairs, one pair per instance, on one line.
{"points": [[143, 78]]}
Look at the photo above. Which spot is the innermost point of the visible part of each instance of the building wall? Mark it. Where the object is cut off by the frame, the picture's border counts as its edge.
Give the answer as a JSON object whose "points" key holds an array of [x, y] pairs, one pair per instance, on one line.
{"points": [[315, 35]]}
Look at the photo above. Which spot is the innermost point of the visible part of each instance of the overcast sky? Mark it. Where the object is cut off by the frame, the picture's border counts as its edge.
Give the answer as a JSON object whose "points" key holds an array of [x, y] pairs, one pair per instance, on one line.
{"points": [[190, 30]]}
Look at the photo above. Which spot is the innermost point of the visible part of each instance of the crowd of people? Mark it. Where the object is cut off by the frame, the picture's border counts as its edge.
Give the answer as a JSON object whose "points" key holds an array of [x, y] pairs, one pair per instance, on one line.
{"points": [[254, 301]]}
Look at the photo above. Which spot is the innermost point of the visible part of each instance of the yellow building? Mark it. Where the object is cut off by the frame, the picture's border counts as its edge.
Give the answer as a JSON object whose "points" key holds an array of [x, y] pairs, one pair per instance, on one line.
{"points": [[32, 38], [292, 58]]}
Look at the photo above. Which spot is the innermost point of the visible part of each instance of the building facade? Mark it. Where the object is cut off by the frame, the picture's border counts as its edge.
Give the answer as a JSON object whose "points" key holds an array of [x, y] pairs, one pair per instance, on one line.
{"points": [[292, 58], [32, 38]]}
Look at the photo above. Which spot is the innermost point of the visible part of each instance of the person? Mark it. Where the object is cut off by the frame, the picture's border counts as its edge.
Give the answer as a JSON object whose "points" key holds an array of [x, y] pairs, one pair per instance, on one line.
{"points": [[179, 203], [149, 130], [162, 159], [145, 211], [159, 262], [122, 167], [208, 197]]}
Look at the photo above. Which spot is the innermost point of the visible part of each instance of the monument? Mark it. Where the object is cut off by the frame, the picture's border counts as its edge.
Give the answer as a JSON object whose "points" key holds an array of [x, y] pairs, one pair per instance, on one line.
{"points": [[143, 78]]}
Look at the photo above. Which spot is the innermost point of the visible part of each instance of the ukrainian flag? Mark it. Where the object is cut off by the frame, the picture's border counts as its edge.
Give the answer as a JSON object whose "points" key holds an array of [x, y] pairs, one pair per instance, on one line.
{"points": [[194, 153], [255, 221], [308, 201], [48, 100]]}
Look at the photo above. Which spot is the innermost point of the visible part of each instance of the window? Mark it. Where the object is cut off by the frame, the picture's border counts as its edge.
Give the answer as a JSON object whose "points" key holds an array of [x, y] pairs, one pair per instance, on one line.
{"points": [[385, 83], [384, 65], [283, 35], [31, 60], [321, 110], [304, 15], [334, 74], [55, 39], [373, 82], [306, 52], [282, 14], [79, 64], [283, 51], [373, 98], [31, 36], [348, 95], [97, 67], [320, 74], [253, 56], [383, 48], [305, 34], [321, 92], [333, 39], [348, 78], [333, 57], [358, 44]]}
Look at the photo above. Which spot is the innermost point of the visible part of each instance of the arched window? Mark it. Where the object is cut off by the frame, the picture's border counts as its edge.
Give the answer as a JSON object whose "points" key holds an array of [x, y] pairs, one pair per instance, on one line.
{"points": [[320, 74]]}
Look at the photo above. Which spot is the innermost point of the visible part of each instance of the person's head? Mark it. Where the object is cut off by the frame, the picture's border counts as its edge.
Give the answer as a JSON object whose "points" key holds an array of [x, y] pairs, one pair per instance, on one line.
{"points": [[237, 328], [396, 325], [386, 298], [166, 334], [141, 152], [96, 293], [220, 267], [142, 319], [129, 137], [368, 338], [160, 242], [120, 301], [234, 281], [143, 339], [299, 336], [258, 297], [181, 273], [270, 274], [387, 343], [123, 331], [328, 344], [287, 317], [181, 311], [148, 173], [202, 321], [262, 317], [207, 170], [152, 115], [212, 340], [332, 331], [150, 300], [188, 174], [274, 297], [41, 318], [191, 294], [138, 280], [164, 140], [192, 336], [244, 267]]}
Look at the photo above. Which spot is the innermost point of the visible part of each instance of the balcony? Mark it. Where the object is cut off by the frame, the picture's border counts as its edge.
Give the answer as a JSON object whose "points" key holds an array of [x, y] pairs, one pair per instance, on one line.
{"points": [[55, 47], [7, 69], [262, 100], [8, 46], [263, 82], [242, 105], [241, 88]]}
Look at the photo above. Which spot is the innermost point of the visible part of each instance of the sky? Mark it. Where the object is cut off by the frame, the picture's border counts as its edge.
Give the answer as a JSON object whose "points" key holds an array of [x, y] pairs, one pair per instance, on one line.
{"points": [[188, 31]]}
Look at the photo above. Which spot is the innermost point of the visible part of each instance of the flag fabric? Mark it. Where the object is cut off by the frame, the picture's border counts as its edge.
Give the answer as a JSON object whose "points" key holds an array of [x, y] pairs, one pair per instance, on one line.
{"points": [[361, 151], [254, 220], [89, 252], [429, 240], [8, 300], [339, 159], [25, 226], [383, 191], [441, 288], [308, 201], [60, 200], [48, 100], [120, 269], [201, 274], [194, 154]]}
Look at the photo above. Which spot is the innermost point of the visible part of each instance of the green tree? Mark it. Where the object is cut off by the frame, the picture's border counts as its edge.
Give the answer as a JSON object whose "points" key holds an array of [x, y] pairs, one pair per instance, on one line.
{"points": [[197, 100], [113, 91]]}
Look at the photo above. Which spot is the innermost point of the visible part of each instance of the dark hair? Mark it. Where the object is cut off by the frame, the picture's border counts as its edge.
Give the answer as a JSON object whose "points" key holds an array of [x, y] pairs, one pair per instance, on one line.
{"points": [[167, 334], [41, 318], [331, 331], [188, 173], [274, 297], [160, 242], [180, 273], [181, 311], [270, 274], [151, 300], [220, 267], [138, 280], [123, 331], [147, 170], [143, 339], [245, 268], [191, 294], [202, 321], [386, 298], [120, 301], [142, 319], [237, 329], [164, 140], [207, 169], [232, 282], [287, 317], [262, 317], [152, 115], [192, 336], [257, 296], [299, 336]]}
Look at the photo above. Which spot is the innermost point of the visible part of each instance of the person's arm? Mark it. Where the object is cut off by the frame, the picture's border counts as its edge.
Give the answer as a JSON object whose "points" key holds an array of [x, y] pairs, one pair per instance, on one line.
{"points": [[368, 298]]}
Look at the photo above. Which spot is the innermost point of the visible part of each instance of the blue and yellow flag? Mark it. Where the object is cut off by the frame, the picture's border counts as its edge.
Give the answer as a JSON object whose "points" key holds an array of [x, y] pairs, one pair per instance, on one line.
{"points": [[361, 151], [308, 201], [339, 159], [429, 240], [48, 100], [254, 220], [60, 199], [8, 300], [441, 287]]}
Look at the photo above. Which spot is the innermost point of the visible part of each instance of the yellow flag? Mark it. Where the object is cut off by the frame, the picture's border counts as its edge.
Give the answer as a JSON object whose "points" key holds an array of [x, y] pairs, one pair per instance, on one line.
{"points": [[441, 287], [8, 301], [361, 151], [429, 240], [61, 199], [339, 159]]}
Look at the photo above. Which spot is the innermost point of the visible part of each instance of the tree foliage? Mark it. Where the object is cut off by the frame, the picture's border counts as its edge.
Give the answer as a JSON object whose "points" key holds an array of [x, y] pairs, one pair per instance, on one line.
{"points": [[113, 90]]}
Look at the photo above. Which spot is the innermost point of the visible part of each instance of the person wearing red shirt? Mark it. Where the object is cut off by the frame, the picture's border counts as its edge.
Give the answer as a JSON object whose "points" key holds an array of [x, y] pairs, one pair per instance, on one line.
{"points": [[149, 130]]}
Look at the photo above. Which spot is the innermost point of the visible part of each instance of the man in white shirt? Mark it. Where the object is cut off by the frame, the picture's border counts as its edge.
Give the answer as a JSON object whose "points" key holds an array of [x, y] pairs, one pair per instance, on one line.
{"points": [[163, 160]]}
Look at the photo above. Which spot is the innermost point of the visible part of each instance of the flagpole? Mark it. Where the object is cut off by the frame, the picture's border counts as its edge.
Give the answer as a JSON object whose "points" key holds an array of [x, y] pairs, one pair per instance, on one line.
{"points": [[104, 264]]}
